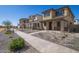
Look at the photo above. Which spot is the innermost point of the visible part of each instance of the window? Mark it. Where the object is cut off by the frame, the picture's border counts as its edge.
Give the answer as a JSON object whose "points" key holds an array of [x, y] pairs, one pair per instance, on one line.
{"points": [[46, 14], [58, 24], [44, 23], [59, 12], [38, 24], [65, 24]]}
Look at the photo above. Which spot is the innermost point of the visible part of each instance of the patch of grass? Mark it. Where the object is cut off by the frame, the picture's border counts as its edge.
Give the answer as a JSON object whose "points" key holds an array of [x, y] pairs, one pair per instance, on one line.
{"points": [[17, 44]]}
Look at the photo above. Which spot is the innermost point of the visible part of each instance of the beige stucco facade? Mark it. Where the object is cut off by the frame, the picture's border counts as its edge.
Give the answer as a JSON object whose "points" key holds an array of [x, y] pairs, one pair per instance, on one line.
{"points": [[55, 25], [49, 20]]}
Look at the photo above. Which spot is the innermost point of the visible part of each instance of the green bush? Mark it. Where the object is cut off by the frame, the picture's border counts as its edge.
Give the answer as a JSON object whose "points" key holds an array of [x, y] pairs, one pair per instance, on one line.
{"points": [[17, 44]]}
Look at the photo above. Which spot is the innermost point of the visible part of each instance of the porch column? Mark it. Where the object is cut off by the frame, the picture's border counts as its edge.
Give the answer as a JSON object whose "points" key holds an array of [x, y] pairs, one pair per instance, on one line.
{"points": [[41, 25], [37, 25], [62, 25], [55, 25], [52, 25], [47, 25], [33, 26]]}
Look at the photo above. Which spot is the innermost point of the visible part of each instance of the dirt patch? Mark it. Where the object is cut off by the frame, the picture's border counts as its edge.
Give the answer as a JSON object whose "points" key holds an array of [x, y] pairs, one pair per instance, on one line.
{"points": [[5, 41], [70, 40]]}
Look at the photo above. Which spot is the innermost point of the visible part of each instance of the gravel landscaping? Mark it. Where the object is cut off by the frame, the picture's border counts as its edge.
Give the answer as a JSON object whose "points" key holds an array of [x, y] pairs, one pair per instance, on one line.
{"points": [[29, 30], [6, 39], [70, 40]]}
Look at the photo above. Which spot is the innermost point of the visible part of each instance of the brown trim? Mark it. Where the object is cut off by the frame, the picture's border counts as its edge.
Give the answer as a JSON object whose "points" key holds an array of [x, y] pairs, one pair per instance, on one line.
{"points": [[48, 10]]}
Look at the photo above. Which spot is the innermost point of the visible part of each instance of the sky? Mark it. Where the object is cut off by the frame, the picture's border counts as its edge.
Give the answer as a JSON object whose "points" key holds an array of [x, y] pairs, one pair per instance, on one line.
{"points": [[14, 12]]}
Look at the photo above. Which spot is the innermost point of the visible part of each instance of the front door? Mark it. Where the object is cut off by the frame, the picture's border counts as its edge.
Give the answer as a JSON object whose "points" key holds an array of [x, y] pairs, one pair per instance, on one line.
{"points": [[58, 25], [50, 25]]}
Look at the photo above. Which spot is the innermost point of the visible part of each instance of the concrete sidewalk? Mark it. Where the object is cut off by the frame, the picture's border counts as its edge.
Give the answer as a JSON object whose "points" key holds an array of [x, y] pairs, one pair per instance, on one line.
{"points": [[44, 46]]}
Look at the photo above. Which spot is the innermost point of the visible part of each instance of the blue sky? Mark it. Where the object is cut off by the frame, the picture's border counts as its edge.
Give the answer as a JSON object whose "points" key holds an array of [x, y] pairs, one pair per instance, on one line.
{"points": [[14, 12]]}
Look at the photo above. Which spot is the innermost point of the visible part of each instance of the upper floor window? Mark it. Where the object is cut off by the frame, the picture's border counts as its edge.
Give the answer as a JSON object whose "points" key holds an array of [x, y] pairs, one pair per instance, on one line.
{"points": [[35, 19], [59, 12], [46, 14]]}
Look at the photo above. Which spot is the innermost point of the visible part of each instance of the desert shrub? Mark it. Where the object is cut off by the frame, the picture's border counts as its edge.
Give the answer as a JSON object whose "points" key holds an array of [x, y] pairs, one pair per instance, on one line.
{"points": [[8, 32], [63, 37], [17, 44], [10, 37]]}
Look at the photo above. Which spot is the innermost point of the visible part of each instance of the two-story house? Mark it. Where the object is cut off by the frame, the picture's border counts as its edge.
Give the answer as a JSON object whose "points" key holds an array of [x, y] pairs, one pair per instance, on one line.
{"points": [[23, 22], [61, 19], [58, 19], [34, 21]]}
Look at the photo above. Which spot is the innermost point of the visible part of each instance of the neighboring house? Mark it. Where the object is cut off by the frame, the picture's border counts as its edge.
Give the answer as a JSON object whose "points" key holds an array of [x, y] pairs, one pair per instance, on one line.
{"points": [[76, 26], [2, 28], [23, 22], [31, 19], [76, 21], [34, 21]]}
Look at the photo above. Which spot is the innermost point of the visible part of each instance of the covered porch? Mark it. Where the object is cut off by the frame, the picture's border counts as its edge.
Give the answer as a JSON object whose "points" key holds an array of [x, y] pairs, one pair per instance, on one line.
{"points": [[59, 25]]}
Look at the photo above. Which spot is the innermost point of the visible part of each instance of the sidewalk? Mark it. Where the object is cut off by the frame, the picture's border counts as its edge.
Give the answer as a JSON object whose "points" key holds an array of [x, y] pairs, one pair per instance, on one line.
{"points": [[43, 45]]}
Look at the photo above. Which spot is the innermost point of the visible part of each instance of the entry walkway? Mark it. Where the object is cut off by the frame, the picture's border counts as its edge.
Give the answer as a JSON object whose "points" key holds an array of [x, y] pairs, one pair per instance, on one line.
{"points": [[42, 45]]}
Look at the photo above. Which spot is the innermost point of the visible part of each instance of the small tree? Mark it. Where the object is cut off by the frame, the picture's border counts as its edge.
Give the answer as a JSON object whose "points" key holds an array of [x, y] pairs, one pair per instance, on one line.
{"points": [[7, 24]]}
